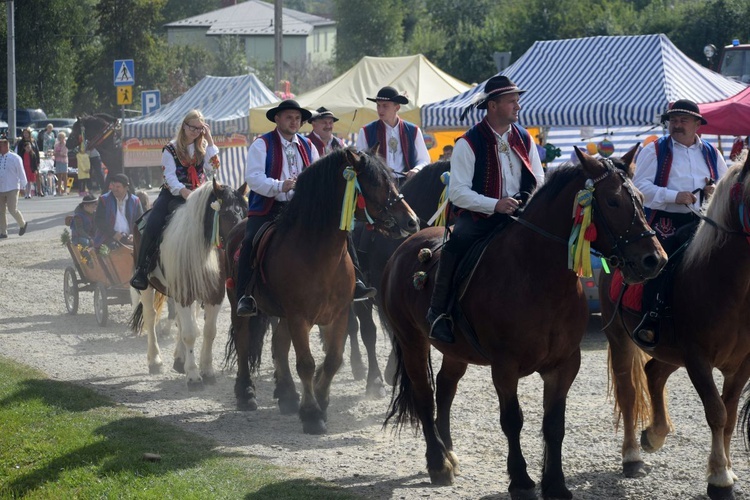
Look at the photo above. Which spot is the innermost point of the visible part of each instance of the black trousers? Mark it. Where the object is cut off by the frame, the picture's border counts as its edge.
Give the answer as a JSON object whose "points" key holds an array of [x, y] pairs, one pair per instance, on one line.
{"points": [[466, 231], [254, 223], [165, 204], [96, 173]]}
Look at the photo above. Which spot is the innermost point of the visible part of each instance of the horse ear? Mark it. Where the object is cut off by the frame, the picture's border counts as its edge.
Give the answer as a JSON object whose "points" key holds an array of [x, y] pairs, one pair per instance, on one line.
{"points": [[217, 186], [351, 157], [745, 168], [374, 149], [580, 154], [242, 191], [628, 158], [590, 165]]}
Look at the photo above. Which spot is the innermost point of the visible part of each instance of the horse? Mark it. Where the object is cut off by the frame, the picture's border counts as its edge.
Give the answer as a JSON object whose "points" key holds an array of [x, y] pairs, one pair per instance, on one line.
{"points": [[422, 193], [527, 312], [307, 278], [709, 329], [104, 134], [188, 270]]}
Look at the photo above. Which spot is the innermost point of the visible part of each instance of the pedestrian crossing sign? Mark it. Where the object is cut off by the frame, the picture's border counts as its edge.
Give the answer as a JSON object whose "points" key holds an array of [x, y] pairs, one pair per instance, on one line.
{"points": [[124, 71], [124, 95]]}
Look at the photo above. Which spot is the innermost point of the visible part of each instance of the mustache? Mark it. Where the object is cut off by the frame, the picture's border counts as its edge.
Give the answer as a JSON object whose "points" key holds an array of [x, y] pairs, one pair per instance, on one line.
{"points": [[678, 130]]}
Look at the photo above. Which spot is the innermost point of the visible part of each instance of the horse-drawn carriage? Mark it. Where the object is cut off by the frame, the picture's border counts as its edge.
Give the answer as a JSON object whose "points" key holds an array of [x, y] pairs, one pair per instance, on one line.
{"points": [[105, 272]]}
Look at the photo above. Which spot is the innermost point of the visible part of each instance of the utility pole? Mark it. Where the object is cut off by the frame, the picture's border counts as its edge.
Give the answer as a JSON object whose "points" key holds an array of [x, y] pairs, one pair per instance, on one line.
{"points": [[11, 75], [278, 38]]}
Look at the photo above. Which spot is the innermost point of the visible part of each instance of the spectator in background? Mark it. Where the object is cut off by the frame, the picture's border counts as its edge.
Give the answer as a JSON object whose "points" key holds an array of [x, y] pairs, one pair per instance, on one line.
{"points": [[46, 140], [60, 153], [26, 148], [447, 153], [117, 212], [145, 200], [12, 177], [82, 227], [95, 172]]}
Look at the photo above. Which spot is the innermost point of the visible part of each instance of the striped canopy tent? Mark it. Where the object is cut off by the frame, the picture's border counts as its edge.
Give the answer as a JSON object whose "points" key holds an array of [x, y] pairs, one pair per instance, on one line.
{"points": [[224, 101], [606, 81]]}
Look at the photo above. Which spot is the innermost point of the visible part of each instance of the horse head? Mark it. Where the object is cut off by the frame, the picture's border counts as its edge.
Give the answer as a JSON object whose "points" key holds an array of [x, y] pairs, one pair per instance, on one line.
{"points": [[622, 232], [226, 208], [384, 207]]}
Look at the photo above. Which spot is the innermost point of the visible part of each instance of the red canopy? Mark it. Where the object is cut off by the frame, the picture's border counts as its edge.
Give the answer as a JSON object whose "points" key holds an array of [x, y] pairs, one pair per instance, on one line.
{"points": [[728, 117]]}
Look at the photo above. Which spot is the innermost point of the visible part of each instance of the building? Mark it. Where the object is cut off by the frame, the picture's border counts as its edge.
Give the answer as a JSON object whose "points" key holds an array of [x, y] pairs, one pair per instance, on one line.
{"points": [[307, 38]]}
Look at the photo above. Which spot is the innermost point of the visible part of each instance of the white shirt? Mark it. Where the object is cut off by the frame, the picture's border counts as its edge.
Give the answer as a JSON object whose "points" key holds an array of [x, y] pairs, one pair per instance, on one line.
{"points": [[121, 222], [12, 176], [291, 166], [327, 145], [395, 157], [688, 173], [170, 168], [460, 189]]}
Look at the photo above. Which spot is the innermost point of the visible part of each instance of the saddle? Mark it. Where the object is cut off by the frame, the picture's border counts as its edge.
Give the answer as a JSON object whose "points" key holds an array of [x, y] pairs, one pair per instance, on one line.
{"points": [[261, 241]]}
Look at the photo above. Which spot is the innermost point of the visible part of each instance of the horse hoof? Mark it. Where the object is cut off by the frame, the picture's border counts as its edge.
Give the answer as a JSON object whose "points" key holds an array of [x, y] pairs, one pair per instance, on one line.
{"points": [[288, 406], [561, 493], [179, 366], [247, 405], [155, 369], [720, 492], [634, 470], [442, 477], [651, 442], [453, 459], [209, 379], [523, 494], [315, 427], [195, 385], [376, 389]]}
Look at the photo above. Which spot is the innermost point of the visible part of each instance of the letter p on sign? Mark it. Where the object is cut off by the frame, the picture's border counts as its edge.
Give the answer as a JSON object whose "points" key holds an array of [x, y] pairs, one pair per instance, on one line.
{"points": [[150, 101]]}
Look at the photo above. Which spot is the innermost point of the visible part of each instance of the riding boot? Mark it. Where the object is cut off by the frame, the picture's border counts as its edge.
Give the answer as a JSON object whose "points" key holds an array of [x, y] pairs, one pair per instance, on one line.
{"points": [[361, 290], [148, 243], [246, 306], [438, 315], [646, 334]]}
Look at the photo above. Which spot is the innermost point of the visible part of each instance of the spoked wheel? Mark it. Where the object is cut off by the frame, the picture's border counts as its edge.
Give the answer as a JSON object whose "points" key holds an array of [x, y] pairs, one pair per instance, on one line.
{"points": [[70, 290], [100, 304]]}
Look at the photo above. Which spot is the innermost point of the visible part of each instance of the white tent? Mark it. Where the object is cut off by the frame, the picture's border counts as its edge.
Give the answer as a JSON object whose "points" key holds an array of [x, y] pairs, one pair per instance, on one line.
{"points": [[346, 95]]}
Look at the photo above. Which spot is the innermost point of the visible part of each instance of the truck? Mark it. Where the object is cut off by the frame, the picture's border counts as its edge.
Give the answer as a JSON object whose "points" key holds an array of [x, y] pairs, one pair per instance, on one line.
{"points": [[735, 62]]}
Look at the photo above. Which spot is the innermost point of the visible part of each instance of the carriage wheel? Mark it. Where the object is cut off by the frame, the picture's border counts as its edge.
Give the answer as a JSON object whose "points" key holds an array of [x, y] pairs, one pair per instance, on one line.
{"points": [[70, 290], [100, 304]]}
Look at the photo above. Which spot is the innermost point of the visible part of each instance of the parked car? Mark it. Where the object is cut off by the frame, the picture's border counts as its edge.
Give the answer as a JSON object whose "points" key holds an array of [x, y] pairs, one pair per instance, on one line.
{"points": [[25, 116], [591, 285]]}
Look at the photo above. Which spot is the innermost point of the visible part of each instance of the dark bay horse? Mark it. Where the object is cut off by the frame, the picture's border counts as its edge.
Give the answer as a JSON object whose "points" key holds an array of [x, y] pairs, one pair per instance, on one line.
{"points": [[528, 312], [307, 278], [710, 328], [190, 270], [422, 193], [104, 134]]}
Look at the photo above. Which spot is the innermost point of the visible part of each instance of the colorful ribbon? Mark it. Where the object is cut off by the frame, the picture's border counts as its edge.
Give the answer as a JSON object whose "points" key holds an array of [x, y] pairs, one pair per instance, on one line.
{"points": [[582, 234]]}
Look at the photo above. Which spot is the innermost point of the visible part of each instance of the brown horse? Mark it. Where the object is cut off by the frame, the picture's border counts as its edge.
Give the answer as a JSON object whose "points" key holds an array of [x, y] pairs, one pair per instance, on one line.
{"points": [[104, 134], [528, 312], [307, 278], [709, 329]]}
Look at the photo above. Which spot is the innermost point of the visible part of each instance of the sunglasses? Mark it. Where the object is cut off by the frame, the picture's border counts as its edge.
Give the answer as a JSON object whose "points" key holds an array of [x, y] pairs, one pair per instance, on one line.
{"points": [[194, 129]]}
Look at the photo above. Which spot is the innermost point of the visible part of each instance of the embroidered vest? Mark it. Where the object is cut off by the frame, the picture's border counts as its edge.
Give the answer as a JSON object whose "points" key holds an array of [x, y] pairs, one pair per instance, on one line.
{"points": [[257, 203], [375, 132], [184, 175], [318, 143]]}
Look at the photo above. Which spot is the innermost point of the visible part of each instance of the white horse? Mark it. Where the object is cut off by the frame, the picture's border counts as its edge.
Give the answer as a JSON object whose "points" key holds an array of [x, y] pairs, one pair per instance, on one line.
{"points": [[189, 270]]}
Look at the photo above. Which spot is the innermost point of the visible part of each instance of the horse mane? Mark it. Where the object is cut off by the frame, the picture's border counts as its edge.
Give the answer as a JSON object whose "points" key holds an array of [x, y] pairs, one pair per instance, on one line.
{"points": [[194, 267], [315, 204], [708, 238]]}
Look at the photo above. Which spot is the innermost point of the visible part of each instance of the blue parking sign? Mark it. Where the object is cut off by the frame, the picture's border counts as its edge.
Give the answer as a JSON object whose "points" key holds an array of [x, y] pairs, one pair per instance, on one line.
{"points": [[150, 101], [124, 71]]}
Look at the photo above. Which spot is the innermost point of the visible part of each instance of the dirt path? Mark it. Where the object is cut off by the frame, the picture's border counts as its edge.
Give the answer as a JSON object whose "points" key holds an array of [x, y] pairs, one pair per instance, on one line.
{"points": [[356, 454]]}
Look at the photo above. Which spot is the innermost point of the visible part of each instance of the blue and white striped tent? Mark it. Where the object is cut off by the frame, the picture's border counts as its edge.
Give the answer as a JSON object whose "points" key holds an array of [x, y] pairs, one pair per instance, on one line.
{"points": [[225, 102], [605, 81]]}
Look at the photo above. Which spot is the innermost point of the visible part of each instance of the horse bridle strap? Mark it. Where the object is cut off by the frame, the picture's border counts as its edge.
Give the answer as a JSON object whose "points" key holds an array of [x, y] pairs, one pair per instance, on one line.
{"points": [[108, 130]]}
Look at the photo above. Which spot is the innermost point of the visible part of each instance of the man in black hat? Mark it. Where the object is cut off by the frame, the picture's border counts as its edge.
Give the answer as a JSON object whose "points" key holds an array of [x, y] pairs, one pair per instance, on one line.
{"points": [[274, 160], [495, 167], [671, 170], [12, 178], [400, 143], [322, 133], [116, 213]]}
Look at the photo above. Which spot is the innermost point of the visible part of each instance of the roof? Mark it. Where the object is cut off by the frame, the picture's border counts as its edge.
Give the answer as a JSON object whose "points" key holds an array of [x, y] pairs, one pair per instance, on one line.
{"points": [[346, 95], [224, 101], [728, 117], [595, 81], [252, 18]]}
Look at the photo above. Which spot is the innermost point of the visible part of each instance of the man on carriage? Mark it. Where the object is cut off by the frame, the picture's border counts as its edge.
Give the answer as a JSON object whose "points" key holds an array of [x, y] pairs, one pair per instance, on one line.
{"points": [[116, 214], [495, 166], [400, 143], [671, 172]]}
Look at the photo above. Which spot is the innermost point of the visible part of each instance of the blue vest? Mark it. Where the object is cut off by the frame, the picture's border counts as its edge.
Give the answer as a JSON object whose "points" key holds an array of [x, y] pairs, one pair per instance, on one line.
{"points": [[410, 152]]}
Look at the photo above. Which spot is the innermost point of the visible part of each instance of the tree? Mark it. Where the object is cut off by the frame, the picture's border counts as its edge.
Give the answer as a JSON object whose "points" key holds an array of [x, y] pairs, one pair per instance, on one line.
{"points": [[367, 28]]}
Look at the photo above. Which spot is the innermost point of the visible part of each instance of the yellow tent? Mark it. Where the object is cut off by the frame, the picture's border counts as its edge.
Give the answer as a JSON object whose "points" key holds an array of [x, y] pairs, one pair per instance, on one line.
{"points": [[422, 81]]}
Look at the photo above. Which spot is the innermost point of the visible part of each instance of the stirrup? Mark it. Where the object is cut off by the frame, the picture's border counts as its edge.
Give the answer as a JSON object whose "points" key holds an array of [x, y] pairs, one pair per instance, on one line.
{"points": [[247, 307], [441, 327], [362, 291], [646, 334]]}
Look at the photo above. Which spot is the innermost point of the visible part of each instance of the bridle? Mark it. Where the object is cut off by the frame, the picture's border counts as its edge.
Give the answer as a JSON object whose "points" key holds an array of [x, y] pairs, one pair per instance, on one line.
{"points": [[382, 215]]}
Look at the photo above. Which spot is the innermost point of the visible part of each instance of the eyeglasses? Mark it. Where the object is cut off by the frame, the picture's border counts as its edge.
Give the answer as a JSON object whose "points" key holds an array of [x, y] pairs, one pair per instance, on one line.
{"points": [[194, 129]]}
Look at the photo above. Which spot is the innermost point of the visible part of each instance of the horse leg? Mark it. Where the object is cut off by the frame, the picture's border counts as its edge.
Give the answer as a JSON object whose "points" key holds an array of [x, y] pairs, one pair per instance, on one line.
{"points": [[653, 436], [241, 330], [375, 387], [511, 421], [335, 335], [451, 372], [179, 355], [285, 391], [188, 334], [155, 364], [355, 356], [557, 383], [310, 413], [720, 480], [210, 316], [731, 393]]}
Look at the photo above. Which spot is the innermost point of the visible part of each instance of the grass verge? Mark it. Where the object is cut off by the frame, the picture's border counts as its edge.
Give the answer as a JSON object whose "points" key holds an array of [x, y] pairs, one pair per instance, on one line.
{"points": [[59, 440]]}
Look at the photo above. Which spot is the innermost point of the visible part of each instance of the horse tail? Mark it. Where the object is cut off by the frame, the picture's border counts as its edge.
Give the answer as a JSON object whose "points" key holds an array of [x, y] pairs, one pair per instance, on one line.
{"points": [[135, 323], [230, 350], [402, 409], [642, 406], [257, 328]]}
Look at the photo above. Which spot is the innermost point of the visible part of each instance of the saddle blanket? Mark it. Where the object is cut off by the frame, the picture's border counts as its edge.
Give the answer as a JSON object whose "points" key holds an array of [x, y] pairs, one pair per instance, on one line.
{"points": [[633, 297]]}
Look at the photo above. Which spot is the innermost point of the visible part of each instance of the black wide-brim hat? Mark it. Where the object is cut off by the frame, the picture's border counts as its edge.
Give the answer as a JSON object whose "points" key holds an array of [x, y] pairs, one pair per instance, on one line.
{"points": [[89, 199], [288, 104], [389, 94], [497, 86], [685, 107], [322, 112]]}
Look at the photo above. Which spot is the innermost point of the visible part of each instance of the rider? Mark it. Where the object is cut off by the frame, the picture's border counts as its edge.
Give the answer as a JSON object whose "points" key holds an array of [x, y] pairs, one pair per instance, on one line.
{"points": [[492, 165], [186, 160], [670, 172]]}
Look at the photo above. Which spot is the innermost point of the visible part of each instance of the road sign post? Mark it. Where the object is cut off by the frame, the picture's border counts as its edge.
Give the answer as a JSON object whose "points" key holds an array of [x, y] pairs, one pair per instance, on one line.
{"points": [[124, 72]]}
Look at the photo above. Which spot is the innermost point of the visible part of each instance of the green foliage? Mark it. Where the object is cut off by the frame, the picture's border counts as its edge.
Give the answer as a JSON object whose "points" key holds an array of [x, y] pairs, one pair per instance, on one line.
{"points": [[231, 59], [176, 10], [367, 28]]}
